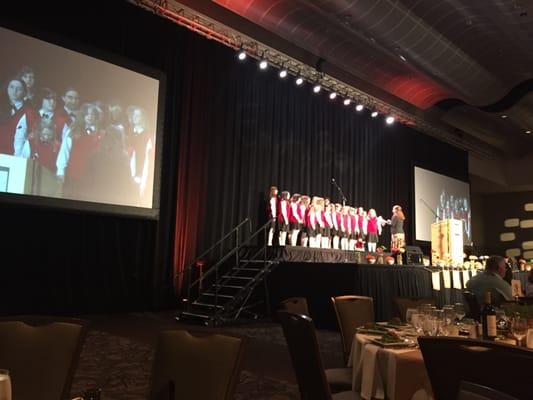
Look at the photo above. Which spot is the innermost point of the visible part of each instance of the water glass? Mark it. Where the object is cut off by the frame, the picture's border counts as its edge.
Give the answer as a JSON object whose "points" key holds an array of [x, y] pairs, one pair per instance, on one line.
{"points": [[519, 328], [5, 385], [409, 315], [459, 311]]}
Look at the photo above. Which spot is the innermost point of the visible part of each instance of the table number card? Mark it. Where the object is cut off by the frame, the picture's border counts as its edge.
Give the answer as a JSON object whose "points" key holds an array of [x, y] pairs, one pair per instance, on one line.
{"points": [[466, 277], [435, 280], [447, 279], [457, 284]]}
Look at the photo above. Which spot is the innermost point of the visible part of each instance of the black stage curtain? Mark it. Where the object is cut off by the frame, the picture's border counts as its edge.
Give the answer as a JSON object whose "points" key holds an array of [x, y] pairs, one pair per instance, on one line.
{"points": [[262, 131]]}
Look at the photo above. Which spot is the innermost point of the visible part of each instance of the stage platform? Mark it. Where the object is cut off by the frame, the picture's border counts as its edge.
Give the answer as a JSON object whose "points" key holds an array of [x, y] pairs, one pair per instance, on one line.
{"points": [[319, 274], [309, 255]]}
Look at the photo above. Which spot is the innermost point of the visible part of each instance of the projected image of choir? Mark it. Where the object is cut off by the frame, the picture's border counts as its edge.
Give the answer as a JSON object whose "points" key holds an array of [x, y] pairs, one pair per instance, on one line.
{"points": [[73, 139], [453, 207], [315, 222]]}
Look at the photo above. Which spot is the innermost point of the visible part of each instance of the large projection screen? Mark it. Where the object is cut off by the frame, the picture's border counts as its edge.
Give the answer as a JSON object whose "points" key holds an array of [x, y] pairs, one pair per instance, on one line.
{"points": [[438, 197], [77, 128]]}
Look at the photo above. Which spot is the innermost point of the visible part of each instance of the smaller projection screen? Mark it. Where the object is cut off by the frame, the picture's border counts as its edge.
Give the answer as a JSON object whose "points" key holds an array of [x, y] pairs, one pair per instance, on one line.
{"points": [[438, 197], [75, 127]]}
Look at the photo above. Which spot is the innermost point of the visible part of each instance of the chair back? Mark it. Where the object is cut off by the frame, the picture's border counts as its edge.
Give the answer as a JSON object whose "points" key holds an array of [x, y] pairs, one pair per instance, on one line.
{"points": [[301, 339], [473, 309], [195, 368], [471, 391], [41, 359], [295, 305], [404, 303], [352, 312], [452, 360]]}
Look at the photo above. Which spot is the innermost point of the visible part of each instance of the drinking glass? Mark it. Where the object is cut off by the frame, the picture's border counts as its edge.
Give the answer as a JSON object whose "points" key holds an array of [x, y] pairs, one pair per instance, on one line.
{"points": [[519, 328], [430, 325], [409, 315], [459, 311], [449, 314], [5, 385]]}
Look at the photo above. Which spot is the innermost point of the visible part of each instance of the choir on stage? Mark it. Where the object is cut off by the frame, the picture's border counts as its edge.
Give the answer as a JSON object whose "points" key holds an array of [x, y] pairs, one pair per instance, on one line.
{"points": [[315, 222]]}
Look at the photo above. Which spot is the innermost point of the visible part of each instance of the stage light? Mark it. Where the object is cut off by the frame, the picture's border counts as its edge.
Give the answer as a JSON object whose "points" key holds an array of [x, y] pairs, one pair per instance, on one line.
{"points": [[402, 58], [389, 120], [263, 64], [374, 114], [332, 95], [346, 102], [241, 55], [317, 88], [504, 116], [283, 73], [528, 131], [359, 107], [299, 81]]}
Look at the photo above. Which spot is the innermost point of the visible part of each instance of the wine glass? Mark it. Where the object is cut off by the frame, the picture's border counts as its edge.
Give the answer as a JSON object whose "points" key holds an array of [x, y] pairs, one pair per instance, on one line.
{"points": [[5, 385], [519, 328], [459, 311], [409, 315]]}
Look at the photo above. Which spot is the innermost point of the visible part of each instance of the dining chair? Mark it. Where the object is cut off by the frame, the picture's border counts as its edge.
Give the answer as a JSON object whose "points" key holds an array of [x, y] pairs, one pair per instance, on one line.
{"points": [[404, 303], [471, 391], [295, 305], [300, 334], [41, 355], [450, 360], [352, 312], [195, 368]]}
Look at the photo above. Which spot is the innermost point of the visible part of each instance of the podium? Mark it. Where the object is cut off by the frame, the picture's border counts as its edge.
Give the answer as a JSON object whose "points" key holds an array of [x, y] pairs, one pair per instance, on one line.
{"points": [[25, 176], [447, 241]]}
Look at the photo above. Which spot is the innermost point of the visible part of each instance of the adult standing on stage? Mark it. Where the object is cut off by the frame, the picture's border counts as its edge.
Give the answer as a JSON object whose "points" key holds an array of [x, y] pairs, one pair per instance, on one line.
{"points": [[272, 212], [397, 232]]}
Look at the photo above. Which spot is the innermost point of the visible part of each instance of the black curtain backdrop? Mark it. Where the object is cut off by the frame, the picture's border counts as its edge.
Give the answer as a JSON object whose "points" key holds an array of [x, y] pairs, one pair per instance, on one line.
{"points": [[231, 131], [262, 131]]}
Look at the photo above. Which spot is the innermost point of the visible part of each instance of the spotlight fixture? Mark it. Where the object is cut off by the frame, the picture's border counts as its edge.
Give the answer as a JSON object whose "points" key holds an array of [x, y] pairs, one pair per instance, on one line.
{"points": [[317, 88], [346, 102], [263, 64], [359, 107], [528, 131], [332, 95], [283, 73], [402, 58], [389, 120], [504, 116], [241, 54], [299, 81], [374, 114]]}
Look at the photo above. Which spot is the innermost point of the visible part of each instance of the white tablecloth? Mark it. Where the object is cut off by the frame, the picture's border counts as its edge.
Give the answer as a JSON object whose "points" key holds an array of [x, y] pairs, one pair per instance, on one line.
{"points": [[394, 374]]}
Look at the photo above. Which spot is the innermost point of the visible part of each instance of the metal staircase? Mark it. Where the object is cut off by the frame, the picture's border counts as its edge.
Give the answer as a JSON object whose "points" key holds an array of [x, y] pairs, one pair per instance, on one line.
{"points": [[232, 283]]}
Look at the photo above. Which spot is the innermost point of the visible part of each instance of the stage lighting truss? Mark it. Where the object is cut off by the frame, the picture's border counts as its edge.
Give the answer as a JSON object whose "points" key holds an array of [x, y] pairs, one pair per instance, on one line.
{"points": [[214, 30]]}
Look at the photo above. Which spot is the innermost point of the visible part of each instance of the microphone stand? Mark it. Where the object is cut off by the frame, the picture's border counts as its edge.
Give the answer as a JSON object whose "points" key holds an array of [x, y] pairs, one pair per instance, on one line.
{"points": [[430, 209], [344, 199]]}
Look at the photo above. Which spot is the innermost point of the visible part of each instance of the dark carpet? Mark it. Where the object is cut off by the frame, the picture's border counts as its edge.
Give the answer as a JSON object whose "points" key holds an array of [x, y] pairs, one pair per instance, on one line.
{"points": [[117, 356]]}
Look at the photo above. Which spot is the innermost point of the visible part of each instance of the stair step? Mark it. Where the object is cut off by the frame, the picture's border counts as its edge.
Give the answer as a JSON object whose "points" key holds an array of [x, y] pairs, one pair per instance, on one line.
{"points": [[191, 314], [199, 303], [237, 277], [247, 269], [220, 295], [229, 286]]}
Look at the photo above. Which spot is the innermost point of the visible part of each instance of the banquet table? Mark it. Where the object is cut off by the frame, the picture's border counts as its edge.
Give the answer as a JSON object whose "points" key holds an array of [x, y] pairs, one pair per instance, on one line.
{"points": [[386, 373]]}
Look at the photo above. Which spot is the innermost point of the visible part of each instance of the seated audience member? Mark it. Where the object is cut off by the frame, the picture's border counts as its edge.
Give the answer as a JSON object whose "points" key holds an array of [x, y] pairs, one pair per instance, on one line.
{"points": [[529, 284], [491, 280]]}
